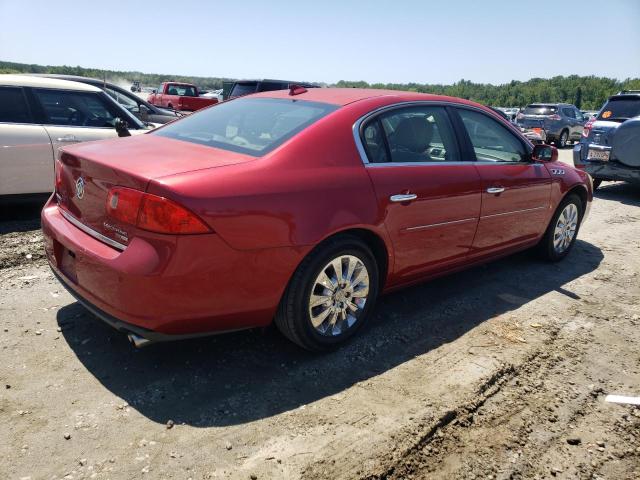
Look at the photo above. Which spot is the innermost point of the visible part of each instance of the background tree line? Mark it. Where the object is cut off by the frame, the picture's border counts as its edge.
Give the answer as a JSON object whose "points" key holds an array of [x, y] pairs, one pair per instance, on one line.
{"points": [[588, 93]]}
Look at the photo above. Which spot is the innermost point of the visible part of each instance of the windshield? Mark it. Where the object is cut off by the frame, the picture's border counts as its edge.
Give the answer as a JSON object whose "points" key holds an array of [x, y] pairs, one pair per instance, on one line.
{"points": [[240, 89], [253, 126], [620, 108], [540, 110]]}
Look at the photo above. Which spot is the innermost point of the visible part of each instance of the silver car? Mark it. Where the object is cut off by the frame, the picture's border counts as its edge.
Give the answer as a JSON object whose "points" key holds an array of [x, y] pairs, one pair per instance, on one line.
{"points": [[38, 116]]}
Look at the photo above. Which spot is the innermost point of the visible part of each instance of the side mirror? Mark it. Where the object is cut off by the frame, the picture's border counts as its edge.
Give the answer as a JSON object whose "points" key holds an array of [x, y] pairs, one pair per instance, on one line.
{"points": [[544, 153], [122, 128]]}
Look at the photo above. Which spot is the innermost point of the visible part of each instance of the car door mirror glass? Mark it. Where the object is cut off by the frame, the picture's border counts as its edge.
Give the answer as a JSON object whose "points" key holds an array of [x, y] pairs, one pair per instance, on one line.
{"points": [[544, 153]]}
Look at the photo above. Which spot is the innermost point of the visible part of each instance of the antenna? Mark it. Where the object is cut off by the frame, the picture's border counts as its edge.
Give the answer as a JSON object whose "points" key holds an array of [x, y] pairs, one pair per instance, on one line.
{"points": [[296, 89]]}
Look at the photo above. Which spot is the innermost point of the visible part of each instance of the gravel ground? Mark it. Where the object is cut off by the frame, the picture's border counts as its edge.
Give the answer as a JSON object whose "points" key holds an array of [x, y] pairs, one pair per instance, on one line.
{"points": [[497, 372]]}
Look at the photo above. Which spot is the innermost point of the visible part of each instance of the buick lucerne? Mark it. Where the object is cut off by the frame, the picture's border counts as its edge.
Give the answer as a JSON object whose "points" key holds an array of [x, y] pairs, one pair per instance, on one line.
{"points": [[299, 207]]}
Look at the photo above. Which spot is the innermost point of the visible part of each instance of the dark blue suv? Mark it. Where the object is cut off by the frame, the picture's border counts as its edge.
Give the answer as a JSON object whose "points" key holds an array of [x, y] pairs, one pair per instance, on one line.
{"points": [[610, 145]]}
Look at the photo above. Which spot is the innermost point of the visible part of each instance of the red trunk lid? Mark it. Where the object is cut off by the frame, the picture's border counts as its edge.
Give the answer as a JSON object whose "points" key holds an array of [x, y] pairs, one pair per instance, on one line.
{"points": [[90, 170]]}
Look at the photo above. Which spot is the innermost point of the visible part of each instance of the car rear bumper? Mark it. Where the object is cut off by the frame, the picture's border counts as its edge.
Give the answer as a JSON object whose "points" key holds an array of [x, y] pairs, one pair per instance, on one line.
{"points": [[611, 170], [182, 287]]}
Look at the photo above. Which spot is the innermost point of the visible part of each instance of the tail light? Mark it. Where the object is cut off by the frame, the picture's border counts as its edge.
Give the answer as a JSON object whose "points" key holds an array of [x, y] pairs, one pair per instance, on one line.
{"points": [[152, 213], [554, 117], [58, 174], [587, 127]]}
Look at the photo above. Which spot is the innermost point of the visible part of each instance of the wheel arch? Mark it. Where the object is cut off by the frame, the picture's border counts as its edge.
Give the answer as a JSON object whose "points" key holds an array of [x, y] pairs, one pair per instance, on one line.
{"points": [[582, 193], [373, 240]]}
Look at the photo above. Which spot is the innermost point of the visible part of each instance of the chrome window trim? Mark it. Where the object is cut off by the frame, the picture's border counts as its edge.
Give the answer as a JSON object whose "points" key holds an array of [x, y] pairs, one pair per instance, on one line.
{"points": [[91, 231], [429, 103]]}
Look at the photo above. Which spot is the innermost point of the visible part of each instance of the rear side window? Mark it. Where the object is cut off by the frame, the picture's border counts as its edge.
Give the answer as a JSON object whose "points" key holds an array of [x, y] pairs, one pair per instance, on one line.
{"points": [[253, 126], [620, 109], [13, 106], [491, 141], [411, 135], [534, 109]]}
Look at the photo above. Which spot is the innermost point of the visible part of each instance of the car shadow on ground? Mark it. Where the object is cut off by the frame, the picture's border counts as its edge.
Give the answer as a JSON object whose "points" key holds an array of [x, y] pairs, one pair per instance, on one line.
{"points": [[619, 191], [237, 378], [21, 215]]}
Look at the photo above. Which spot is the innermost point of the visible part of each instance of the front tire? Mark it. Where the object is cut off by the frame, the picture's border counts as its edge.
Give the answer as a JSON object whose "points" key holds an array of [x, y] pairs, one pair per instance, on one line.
{"points": [[562, 231], [330, 296]]}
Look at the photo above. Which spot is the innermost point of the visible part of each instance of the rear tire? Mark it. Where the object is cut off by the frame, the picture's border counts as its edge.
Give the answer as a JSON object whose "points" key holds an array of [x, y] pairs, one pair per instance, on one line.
{"points": [[561, 142], [343, 300], [596, 183], [562, 231]]}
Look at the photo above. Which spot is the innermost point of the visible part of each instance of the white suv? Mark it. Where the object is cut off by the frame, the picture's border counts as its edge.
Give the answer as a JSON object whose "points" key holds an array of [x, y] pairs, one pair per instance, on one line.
{"points": [[38, 116]]}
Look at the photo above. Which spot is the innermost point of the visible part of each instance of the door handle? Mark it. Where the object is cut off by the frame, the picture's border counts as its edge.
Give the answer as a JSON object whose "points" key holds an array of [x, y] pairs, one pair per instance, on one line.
{"points": [[68, 138], [405, 197], [495, 189]]}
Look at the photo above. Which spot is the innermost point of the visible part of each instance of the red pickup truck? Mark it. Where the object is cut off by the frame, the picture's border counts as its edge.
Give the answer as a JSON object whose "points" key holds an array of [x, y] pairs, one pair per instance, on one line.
{"points": [[179, 96]]}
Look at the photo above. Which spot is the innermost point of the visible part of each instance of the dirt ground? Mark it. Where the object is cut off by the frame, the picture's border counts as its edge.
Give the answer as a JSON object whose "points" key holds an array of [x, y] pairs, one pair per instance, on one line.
{"points": [[499, 372]]}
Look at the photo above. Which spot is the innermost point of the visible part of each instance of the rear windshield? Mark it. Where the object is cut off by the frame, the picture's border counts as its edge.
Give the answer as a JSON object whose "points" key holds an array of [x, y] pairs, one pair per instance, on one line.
{"points": [[240, 89], [253, 126], [182, 90], [540, 110], [620, 109]]}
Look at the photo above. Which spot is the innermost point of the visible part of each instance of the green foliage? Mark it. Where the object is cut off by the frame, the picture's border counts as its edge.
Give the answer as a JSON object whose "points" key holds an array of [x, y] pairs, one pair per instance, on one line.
{"points": [[589, 93], [585, 92], [114, 76]]}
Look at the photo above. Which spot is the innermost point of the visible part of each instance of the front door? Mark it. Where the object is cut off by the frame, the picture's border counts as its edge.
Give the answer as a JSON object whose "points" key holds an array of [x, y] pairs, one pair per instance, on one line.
{"points": [[515, 191], [429, 198], [76, 116]]}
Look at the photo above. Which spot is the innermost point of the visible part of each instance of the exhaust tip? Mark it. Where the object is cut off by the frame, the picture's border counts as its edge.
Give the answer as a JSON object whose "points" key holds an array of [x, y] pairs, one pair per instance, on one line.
{"points": [[138, 341]]}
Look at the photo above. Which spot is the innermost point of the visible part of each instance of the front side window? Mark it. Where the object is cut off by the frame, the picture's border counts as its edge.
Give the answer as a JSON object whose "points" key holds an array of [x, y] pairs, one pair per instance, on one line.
{"points": [[123, 100], [241, 89], [13, 106], [253, 126], [411, 135], [491, 141], [78, 109], [568, 112]]}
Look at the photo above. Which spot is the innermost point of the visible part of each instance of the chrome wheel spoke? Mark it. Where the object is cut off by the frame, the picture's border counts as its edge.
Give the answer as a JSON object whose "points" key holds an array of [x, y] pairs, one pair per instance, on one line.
{"points": [[339, 295], [566, 227]]}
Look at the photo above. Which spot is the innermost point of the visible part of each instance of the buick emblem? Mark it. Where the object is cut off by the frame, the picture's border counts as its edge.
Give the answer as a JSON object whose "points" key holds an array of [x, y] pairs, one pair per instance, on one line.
{"points": [[80, 188]]}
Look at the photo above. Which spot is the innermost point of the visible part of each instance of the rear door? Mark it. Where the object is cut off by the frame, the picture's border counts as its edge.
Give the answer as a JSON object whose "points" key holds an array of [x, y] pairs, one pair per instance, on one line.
{"points": [[429, 198], [575, 125], [26, 156], [515, 191], [73, 116]]}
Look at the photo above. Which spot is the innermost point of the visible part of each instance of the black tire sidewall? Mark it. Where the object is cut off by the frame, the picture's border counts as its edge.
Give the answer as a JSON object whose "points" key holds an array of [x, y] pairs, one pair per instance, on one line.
{"points": [[312, 338]]}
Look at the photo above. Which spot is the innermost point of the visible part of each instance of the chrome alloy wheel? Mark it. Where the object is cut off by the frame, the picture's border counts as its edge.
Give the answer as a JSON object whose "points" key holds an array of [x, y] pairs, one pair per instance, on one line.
{"points": [[339, 295], [565, 228]]}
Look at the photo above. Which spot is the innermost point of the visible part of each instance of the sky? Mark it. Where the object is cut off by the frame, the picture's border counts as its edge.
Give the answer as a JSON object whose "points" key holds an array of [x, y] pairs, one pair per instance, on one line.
{"points": [[399, 41]]}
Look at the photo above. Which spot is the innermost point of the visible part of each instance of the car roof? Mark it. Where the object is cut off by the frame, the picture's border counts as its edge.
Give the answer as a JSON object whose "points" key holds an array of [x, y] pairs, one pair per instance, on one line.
{"points": [[44, 82], [345, 96]]}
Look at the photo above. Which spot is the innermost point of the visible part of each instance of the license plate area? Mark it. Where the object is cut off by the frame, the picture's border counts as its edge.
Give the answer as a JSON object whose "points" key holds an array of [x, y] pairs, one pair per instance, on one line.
{"points": [[66, 260], [601, 155]]}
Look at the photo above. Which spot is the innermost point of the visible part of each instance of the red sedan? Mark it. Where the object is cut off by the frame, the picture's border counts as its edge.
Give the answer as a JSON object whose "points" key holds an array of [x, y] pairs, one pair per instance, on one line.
{"points": [[300, 207]]}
